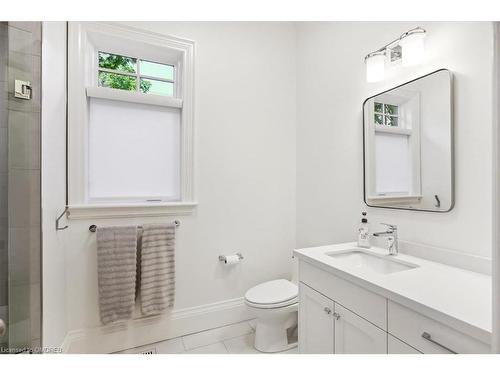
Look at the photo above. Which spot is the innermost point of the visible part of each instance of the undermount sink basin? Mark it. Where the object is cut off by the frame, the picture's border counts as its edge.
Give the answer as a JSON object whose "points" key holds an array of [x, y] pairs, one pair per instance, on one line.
{"points": [[363, 259]]}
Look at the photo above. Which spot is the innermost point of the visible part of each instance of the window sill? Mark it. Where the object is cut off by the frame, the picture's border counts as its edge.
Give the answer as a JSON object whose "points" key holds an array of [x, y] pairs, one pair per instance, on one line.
{"points": [[395, 199], [96, 211], [392, 130]]}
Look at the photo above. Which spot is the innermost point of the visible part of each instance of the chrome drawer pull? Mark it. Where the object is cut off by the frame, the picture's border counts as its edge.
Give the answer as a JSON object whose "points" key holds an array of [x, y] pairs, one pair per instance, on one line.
{"points": [[427, 336]]}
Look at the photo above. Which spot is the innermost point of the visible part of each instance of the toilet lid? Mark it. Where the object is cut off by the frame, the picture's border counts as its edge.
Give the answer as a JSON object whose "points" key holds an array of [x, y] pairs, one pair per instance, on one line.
{"points": [[272, 292]]}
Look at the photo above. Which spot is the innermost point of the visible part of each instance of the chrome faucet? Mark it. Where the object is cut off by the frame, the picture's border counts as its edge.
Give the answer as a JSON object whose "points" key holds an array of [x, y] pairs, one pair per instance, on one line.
{"points": [[392, 238]]}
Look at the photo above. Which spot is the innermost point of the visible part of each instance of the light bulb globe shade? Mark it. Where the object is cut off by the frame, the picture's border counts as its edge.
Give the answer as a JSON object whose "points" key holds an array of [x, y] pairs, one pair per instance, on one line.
{"points": [[375, 68], [412, 49]]}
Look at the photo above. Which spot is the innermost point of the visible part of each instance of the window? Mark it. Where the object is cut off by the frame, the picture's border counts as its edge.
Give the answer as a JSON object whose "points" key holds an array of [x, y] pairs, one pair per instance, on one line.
{"points": [[386, 114], [133, 152], [130, 122], [134, 74], [393, 146]]}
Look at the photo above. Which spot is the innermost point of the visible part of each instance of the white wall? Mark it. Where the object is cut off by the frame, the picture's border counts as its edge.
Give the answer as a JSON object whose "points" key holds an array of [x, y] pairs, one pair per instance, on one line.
{"points": [[331, 88], [245, 183], [53, 181]]}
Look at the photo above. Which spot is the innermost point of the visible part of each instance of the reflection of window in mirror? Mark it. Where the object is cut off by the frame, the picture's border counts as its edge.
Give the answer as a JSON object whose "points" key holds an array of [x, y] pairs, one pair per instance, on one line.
{"points": [[386, 114], [396, 147]]}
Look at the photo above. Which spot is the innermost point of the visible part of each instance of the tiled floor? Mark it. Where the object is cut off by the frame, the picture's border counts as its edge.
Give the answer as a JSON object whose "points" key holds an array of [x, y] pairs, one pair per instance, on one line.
{"points": [[232, 339]]}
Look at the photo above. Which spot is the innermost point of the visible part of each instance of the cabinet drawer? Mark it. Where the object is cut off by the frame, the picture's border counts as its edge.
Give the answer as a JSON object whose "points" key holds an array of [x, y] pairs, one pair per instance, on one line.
{"points": [[409, 326], [369, 305]]}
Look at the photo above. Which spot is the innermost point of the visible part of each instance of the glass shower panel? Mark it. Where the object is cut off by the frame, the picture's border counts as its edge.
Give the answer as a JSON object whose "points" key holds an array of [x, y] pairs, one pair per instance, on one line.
{"points": [[20, 249], [4, 116]]}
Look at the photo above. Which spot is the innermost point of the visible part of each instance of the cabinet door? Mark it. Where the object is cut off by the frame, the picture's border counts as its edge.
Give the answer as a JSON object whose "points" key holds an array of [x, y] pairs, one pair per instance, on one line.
{"points": [[355, 335], [316, 324], [396, 346]]}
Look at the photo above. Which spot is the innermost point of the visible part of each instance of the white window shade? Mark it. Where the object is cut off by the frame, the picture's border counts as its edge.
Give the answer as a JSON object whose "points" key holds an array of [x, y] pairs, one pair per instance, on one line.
{"points": [[134, 152], [392, 164]]}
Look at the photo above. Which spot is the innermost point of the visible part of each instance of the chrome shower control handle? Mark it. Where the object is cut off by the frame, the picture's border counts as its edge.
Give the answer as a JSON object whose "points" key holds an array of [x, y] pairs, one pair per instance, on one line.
{"points": [[3, 328], [336, 316], [328, 310]]}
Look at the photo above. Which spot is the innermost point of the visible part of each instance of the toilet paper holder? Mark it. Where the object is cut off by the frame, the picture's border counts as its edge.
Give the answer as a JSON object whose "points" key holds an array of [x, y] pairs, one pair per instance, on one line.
{"points": [[222, 258]]}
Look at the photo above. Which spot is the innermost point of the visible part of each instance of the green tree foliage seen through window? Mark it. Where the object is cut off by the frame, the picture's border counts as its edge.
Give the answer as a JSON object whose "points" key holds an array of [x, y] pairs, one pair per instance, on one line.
{"points": [[120, 81]]}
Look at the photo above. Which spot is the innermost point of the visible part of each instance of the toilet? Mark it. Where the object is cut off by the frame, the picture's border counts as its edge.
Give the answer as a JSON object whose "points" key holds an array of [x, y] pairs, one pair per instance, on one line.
{"points": [[275, 303]]}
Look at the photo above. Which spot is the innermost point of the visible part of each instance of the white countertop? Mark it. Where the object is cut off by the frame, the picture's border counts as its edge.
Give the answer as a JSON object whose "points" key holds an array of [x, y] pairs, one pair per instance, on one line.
{"points": [[455, 297]]}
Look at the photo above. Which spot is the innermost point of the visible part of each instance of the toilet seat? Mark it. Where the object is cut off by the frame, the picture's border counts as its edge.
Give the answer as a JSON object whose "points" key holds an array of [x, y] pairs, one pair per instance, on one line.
{"points": [[272, 306], [272, 294]]}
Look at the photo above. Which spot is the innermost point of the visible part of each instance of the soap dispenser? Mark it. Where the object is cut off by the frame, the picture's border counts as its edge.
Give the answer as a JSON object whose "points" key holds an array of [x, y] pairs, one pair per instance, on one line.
{"points": [[364, 232]]}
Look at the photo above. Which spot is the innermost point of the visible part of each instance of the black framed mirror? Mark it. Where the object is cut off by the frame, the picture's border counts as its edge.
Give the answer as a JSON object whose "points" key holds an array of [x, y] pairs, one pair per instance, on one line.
{"points": [[408, 158]]}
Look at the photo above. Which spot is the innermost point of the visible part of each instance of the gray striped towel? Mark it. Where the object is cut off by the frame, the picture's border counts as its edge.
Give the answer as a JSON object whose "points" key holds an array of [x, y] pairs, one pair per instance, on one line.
{"points": [[116, 261], [157, 268]]}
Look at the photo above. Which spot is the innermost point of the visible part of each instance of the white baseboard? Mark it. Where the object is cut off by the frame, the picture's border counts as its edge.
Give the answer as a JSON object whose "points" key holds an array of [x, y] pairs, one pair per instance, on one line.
{"points": [[143, 331]]}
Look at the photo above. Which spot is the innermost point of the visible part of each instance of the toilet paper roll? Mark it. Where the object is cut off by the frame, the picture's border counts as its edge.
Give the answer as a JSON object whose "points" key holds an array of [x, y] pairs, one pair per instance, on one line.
{"points": [[232, 259]]}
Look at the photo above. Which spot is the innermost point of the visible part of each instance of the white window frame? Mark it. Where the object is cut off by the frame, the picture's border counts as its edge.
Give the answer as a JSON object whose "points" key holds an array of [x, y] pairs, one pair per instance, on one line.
{"points": [[85, 40]]}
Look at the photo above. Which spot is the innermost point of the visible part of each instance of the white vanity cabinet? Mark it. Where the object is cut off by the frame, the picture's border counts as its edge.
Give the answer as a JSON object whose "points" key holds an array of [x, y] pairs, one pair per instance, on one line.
{"points": [[325, 327], [317, 325], [339, 316]]}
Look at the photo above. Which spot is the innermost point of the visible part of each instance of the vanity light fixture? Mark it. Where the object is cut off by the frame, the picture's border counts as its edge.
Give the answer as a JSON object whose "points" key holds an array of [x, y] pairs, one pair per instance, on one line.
{"points": [[409, 47], [412, 44], [375, 66]]}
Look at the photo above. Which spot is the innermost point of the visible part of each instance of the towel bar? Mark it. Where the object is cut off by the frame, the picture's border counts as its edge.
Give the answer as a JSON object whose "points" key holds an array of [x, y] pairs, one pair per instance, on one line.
{"points": [[93, 227]]}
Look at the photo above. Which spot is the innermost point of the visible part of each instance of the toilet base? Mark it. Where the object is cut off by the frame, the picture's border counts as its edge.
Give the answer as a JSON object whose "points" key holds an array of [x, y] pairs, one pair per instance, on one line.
{"points": [[271, 330]]}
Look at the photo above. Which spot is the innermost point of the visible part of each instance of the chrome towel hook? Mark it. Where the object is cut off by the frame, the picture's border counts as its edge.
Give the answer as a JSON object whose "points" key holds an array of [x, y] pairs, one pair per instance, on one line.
{"points": [[65, 212]]}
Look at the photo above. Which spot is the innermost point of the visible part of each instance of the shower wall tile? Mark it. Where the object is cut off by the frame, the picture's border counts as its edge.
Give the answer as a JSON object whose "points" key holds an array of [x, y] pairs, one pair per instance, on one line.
{"points": [[24, 198], [20, 40], [19, 315], [35, 311], [4, 142], [25, 255], [4, 201], [21, 256], [4, 227], [4, 44], [30, 26], [24, 140], [4, 117], [36, 255], [18, 142], [3, 293], [36, 87], [4, 96], [4, 261], [35, 28]]}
